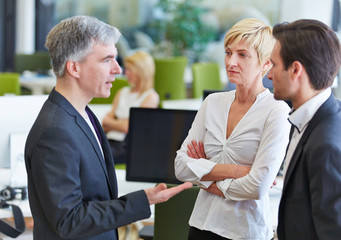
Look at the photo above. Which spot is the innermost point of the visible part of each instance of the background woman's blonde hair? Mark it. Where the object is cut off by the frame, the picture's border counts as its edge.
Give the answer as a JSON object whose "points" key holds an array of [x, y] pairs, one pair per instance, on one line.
{"points": [[142, 64], [256, 34]]}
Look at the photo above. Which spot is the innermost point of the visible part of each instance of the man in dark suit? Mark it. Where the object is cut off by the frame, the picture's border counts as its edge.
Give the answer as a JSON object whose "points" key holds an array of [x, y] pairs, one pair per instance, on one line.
{"points": [[71, 177], [306, 59]]}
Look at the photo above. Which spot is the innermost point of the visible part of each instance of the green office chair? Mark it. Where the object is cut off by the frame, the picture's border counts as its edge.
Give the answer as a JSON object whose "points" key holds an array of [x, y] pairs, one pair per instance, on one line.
{"points": [[9, 83], [169, 78], [117, 85], [39, 62], [171, 217], [206, 76]]}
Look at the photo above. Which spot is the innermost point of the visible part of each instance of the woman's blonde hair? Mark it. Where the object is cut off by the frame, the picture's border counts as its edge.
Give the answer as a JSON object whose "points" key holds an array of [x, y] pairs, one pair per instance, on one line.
{"points": [[142, 64], [256, 34]]}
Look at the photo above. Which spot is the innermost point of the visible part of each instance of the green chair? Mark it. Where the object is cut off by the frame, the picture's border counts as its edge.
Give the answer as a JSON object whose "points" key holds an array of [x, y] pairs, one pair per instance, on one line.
{"points": [[171, 217], [169, 78], [9, 83], [37, 62], [206, 76], [120, 166], [117, 85]]}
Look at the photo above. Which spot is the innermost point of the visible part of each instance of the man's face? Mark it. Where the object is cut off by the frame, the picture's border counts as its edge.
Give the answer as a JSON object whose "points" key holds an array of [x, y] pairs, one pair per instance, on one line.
{"points": [[279, 76], [97, 72]]}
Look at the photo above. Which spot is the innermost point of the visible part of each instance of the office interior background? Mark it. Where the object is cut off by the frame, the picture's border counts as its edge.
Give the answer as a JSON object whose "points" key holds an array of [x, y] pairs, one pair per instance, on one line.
{"points": [[165, 28]]}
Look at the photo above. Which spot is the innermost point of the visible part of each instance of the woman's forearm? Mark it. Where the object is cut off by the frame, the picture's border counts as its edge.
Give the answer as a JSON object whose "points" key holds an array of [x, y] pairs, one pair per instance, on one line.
{"points": [[221, 172]]}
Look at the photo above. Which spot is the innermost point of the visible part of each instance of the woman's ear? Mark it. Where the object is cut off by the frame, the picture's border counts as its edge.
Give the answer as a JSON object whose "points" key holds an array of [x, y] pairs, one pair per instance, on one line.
{"points": [[73, 68], [267, 65]]}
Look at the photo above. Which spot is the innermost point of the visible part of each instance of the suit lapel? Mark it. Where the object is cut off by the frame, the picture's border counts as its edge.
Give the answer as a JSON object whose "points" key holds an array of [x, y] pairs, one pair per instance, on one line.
{"points": [[106, 162], [108, 159], [327, 108]]}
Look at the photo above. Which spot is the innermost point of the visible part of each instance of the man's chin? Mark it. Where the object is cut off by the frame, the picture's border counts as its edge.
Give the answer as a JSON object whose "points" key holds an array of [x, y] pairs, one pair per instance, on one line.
{"points": [[278, 97]]}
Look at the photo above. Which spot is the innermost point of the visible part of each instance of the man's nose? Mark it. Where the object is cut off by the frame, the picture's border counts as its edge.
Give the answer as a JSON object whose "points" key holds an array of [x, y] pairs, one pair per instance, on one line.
{"points": [[116, 68]]}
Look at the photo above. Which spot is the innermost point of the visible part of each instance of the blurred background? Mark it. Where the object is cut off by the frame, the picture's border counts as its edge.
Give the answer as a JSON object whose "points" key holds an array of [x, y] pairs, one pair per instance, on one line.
{"points": [[164, 28]]}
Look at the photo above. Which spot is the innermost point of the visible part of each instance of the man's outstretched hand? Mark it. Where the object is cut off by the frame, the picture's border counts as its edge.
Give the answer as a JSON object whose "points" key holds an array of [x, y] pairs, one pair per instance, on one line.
{"points": [[161, 193]]}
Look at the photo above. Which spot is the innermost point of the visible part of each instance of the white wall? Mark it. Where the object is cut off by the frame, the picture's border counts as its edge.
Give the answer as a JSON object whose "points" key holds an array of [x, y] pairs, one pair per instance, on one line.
{"points": [[292, 10]]}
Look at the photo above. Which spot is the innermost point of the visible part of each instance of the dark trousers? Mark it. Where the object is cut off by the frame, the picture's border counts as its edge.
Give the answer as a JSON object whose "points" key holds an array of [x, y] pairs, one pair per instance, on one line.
{"points": [[197, 234]]}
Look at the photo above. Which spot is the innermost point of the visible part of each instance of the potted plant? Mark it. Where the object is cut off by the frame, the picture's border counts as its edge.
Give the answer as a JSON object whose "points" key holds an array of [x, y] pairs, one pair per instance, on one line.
{"points": [[180, 29]]}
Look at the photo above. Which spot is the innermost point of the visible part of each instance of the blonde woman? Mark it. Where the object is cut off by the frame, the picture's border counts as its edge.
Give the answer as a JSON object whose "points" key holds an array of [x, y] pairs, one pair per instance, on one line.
{"points": [[140, 70], [236, 144]]}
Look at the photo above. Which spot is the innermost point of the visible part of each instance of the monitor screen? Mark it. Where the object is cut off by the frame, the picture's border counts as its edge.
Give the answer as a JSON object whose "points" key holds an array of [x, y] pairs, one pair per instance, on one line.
{"points": [[18, 114], [153, 139]]}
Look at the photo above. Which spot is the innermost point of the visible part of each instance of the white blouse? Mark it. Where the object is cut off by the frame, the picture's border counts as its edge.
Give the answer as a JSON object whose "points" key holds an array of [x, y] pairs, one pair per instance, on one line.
{"points": [[127, 100], [259, 141]]}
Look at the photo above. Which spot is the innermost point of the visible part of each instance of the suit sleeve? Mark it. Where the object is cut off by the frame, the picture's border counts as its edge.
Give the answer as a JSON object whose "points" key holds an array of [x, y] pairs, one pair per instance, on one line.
{"points": [[55, 164]]}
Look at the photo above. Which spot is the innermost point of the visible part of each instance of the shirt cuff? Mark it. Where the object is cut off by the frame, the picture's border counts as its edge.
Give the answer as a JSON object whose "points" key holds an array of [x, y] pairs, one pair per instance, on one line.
{"points": [[224, 185], [200, 168]]}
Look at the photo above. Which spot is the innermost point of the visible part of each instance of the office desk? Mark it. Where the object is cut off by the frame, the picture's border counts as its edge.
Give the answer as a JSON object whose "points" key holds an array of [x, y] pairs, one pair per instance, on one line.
{"points": [[5, 174], [183, 104], [38, 84], [124, 187]]}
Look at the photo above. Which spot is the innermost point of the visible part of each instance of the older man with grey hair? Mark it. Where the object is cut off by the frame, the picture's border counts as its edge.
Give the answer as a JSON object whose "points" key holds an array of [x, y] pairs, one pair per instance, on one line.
{"points": [[71, 177]]}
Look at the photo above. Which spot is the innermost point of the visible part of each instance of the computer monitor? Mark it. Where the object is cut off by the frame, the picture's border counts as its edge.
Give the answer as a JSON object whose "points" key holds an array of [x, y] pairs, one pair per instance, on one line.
{"points": [[18, 114], [153, 139]]}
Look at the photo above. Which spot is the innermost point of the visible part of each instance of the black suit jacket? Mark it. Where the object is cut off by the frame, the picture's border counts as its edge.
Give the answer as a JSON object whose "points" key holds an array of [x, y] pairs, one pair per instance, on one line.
{"points": [[310, 206], [72, 185]]}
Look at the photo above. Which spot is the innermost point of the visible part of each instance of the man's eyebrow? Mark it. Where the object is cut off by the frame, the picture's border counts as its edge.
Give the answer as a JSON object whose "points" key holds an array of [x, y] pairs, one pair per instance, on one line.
{"points": [[109, 56]]}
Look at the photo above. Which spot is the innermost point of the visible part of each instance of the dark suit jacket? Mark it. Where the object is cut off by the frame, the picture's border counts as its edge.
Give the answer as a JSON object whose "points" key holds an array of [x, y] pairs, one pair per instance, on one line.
{"points": [[310, 206], [72, 187]]}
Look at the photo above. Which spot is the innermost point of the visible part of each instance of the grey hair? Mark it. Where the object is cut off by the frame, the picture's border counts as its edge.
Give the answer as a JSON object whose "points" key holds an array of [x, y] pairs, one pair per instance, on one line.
{"points": [[73, 38]]}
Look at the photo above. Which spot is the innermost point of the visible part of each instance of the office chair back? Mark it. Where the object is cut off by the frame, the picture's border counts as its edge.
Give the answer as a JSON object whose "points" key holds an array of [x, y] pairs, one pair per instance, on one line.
{"points": [[39, 62], [117, 85], [9, 83], [206, 76], [169, 78], [171, 217]]}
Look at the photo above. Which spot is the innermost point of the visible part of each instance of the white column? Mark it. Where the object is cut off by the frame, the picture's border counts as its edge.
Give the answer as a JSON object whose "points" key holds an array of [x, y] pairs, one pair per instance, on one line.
{"points": [[25, 26]]}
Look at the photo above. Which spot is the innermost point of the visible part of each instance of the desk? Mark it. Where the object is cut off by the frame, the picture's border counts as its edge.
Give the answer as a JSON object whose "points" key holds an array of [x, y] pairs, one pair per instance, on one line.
{"points": [[5, 174], [124, 187], [183, 104], [38, 84]]}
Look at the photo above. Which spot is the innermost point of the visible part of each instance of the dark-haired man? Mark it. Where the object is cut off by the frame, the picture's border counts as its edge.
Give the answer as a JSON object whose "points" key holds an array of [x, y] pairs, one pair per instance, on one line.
{"points": [[306, 59]]}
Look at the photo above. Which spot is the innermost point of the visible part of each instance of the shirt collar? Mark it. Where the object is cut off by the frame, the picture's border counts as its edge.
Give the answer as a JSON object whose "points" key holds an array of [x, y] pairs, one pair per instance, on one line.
{"points": [[302, 115]]}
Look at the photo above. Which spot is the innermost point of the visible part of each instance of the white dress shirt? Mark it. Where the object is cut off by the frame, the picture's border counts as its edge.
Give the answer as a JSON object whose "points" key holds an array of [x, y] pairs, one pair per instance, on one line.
{"points": [[259, 141], [300, 119]]}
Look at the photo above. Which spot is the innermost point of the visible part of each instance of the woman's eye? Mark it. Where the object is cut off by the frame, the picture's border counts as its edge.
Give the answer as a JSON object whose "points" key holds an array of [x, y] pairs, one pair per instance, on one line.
{"points": [[228, 53]]}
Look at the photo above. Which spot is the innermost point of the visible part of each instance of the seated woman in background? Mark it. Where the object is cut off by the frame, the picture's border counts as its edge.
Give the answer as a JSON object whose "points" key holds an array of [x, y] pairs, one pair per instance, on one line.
{"points": [[140, 70]]}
